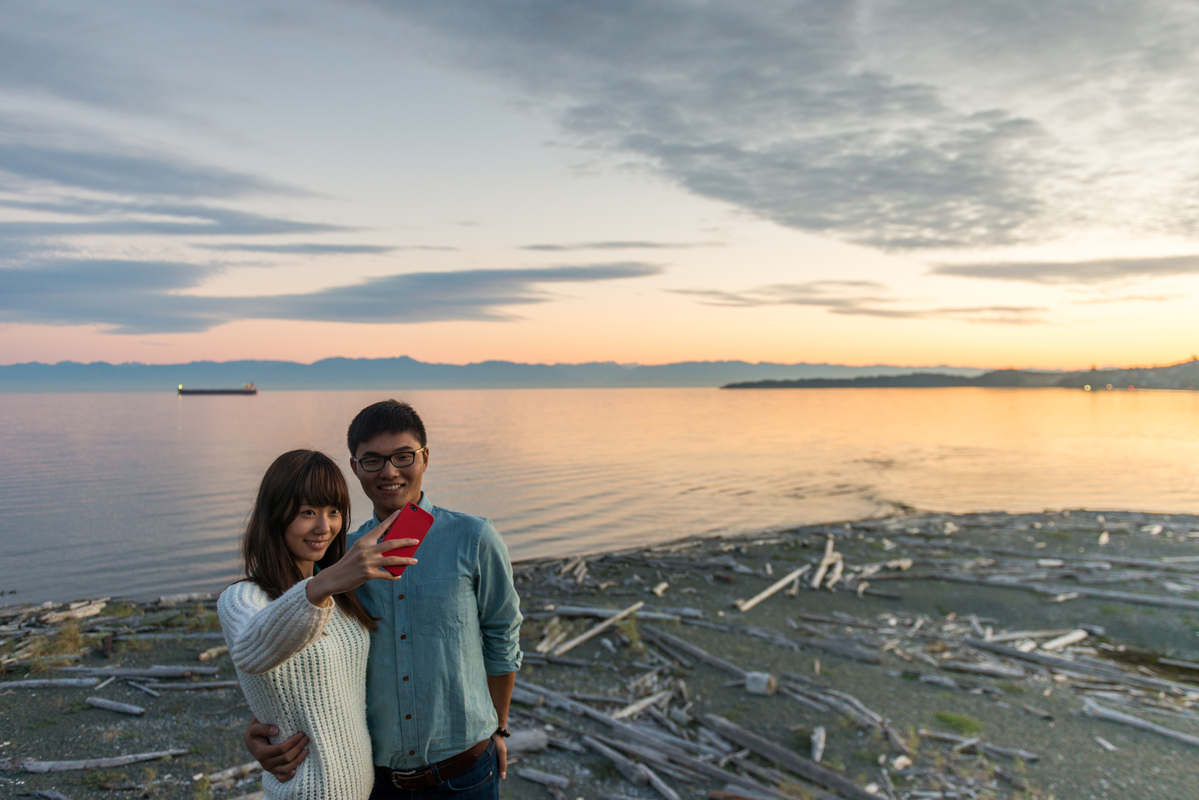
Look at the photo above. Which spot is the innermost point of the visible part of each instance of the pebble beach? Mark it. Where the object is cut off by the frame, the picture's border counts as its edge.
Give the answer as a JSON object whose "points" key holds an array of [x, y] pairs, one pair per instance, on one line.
{"points": [[915, 656]]}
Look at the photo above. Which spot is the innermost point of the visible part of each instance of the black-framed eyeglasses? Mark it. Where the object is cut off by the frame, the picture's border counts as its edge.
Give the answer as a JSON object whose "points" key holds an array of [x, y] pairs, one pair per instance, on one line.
{"points": [[398, 460]]}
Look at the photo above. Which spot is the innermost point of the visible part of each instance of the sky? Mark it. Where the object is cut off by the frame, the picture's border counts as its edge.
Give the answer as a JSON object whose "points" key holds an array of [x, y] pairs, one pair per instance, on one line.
{"points": [[984, 183]]}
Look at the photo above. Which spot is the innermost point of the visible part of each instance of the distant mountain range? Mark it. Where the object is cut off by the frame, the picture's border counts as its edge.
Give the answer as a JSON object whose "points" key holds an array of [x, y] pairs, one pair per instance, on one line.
{"points": [[406, 373], [1177, 376]]}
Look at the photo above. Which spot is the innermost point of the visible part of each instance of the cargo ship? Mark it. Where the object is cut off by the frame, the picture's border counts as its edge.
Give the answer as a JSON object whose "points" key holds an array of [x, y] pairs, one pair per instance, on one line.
{"points": [[249, 388]]}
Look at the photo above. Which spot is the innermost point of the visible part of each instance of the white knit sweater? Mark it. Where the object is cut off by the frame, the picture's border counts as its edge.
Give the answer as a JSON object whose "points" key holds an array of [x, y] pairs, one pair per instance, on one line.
{"points": [[303, 668]]}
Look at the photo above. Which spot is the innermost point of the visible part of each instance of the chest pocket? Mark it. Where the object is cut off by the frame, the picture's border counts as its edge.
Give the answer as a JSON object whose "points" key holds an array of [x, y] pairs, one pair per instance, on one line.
{"points": [[442, 607]]}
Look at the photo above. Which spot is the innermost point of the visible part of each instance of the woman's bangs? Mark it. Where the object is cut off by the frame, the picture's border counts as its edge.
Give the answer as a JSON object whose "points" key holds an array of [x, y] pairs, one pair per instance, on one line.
{"points": [[322, 484]]}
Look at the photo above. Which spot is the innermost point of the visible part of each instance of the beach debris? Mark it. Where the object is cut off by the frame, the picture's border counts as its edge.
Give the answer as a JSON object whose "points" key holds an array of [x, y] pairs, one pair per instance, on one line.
{"points": [[1093, 709], [644, 721], [788, 579], [788, 759], [566, 647], [120, 708], [672, 642], [633, 773], [186, 671], [1173, 662], [525, 742], [143, 688], [190, 686], [1036, 712], [553, 635], [228, 778], [989, 668], [79, 610], [192, 597], [761, 683], [51, 683], [553, 783], [633, 709], [1106, 745], [829, 558], [212, 652], [30, 765], [819, 736], [1060, 642], [964, 744]]}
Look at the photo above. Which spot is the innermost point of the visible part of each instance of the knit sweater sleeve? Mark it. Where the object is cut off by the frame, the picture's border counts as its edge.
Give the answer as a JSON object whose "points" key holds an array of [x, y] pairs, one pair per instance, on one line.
{"points": [[262, 633]]}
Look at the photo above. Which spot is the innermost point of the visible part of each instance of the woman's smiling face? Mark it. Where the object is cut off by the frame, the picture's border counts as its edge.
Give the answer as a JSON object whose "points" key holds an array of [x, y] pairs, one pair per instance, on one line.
{"points": [[310, 534]]}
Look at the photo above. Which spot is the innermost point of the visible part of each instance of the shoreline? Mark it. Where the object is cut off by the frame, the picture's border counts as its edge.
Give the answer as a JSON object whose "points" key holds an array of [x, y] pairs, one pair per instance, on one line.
{"points": [[9, 600], [906, 649]]}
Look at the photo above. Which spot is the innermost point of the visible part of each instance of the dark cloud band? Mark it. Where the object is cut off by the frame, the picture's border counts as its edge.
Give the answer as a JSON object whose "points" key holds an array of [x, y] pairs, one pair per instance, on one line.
{"points": [[861, 299], [144, 297], [1076, 272]]}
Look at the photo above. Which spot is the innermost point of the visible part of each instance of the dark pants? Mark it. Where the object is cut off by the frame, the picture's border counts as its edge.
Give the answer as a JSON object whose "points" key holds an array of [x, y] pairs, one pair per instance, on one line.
{"points": [[480, 782]]}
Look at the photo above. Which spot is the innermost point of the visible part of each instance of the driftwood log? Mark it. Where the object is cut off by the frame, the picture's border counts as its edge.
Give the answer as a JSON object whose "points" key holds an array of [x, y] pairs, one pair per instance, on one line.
{"points": [[788, 759], [147, 672], [51, 683], [563, 648], [120, 708], [29, 765], [1093, 709]]}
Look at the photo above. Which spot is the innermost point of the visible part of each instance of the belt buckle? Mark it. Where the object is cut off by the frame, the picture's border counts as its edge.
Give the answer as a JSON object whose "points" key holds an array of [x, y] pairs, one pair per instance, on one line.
{"points": [[399, 775]]}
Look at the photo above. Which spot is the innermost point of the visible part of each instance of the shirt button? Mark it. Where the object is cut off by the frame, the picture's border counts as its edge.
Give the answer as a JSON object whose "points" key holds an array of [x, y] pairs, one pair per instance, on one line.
{"points": [[405, 677], [411, 752], [403, 636], [407, 716], [401, 597]]}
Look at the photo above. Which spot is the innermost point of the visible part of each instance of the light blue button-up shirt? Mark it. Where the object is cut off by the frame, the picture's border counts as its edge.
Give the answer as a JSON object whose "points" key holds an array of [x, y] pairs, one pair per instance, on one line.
{"points": [[449, 622]]}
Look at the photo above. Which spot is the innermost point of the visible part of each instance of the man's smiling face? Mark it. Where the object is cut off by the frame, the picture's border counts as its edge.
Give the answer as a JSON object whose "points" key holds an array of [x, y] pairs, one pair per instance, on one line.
{"points": [[391, 488]]}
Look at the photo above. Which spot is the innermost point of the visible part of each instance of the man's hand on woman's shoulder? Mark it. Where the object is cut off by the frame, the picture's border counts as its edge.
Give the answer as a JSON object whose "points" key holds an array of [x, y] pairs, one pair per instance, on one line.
{"points": [[280, 759]]}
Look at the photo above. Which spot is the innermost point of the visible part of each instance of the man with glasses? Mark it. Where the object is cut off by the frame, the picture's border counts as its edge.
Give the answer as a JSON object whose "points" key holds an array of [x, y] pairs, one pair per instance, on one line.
{"points": [[444, 657]]}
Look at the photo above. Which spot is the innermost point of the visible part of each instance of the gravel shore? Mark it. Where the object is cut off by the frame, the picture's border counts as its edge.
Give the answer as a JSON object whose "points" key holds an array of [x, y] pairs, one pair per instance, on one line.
{"points": [[917, 630]]}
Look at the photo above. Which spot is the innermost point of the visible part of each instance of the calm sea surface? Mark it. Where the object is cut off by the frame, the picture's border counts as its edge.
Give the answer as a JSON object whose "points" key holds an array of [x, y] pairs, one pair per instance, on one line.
{"points": [[146, 494]]}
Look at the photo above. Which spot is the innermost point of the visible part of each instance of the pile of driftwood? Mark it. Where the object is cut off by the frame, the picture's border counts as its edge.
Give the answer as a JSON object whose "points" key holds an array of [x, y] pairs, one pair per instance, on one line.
{"points": [[40, 643], [646, 725], [646, 612], [28, 632]]}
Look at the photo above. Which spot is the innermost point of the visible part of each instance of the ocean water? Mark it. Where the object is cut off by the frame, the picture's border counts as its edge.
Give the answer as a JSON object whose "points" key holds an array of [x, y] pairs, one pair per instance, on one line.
{"points": [[144, 494]]}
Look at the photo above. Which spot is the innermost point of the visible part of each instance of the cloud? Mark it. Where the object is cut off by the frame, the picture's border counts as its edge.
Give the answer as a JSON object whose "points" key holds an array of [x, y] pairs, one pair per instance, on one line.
{"points": [[1076, 272], [173, 220], [615, 245], [135, 297], [305, 248], [34, 64], [896, 125], [315, 248], [107, 188], [862, 299], [118, 169]]}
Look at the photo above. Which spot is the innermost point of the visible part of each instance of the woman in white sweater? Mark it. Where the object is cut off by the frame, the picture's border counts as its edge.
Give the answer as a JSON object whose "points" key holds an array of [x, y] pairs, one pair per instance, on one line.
{"points": [[299, 641]]}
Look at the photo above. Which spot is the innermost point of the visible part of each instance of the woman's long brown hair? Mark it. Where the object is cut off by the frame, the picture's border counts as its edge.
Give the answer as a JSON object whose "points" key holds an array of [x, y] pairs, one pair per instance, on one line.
{"points": [[300, 477]]}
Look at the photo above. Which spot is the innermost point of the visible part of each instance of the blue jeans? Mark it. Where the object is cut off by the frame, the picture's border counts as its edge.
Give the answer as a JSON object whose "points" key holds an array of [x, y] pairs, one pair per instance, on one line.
{"points": [[480, 782]]}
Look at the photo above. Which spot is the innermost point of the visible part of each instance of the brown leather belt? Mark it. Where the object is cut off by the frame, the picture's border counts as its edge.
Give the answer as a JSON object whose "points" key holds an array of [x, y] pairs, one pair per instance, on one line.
{"points": [[434, 774]]}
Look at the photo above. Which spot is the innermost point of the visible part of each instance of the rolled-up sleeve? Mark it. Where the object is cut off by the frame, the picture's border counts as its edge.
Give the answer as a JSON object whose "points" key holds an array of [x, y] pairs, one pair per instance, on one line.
{"points": [[498, 603]]}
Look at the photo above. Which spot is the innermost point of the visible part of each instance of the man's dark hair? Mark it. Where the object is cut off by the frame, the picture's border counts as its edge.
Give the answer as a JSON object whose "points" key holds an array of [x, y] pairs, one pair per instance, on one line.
{"points": [[386, 416]]}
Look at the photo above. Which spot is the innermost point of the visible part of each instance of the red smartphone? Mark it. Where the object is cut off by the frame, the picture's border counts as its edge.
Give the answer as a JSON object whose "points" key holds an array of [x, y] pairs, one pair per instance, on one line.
{"points": [[412, 523]]}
